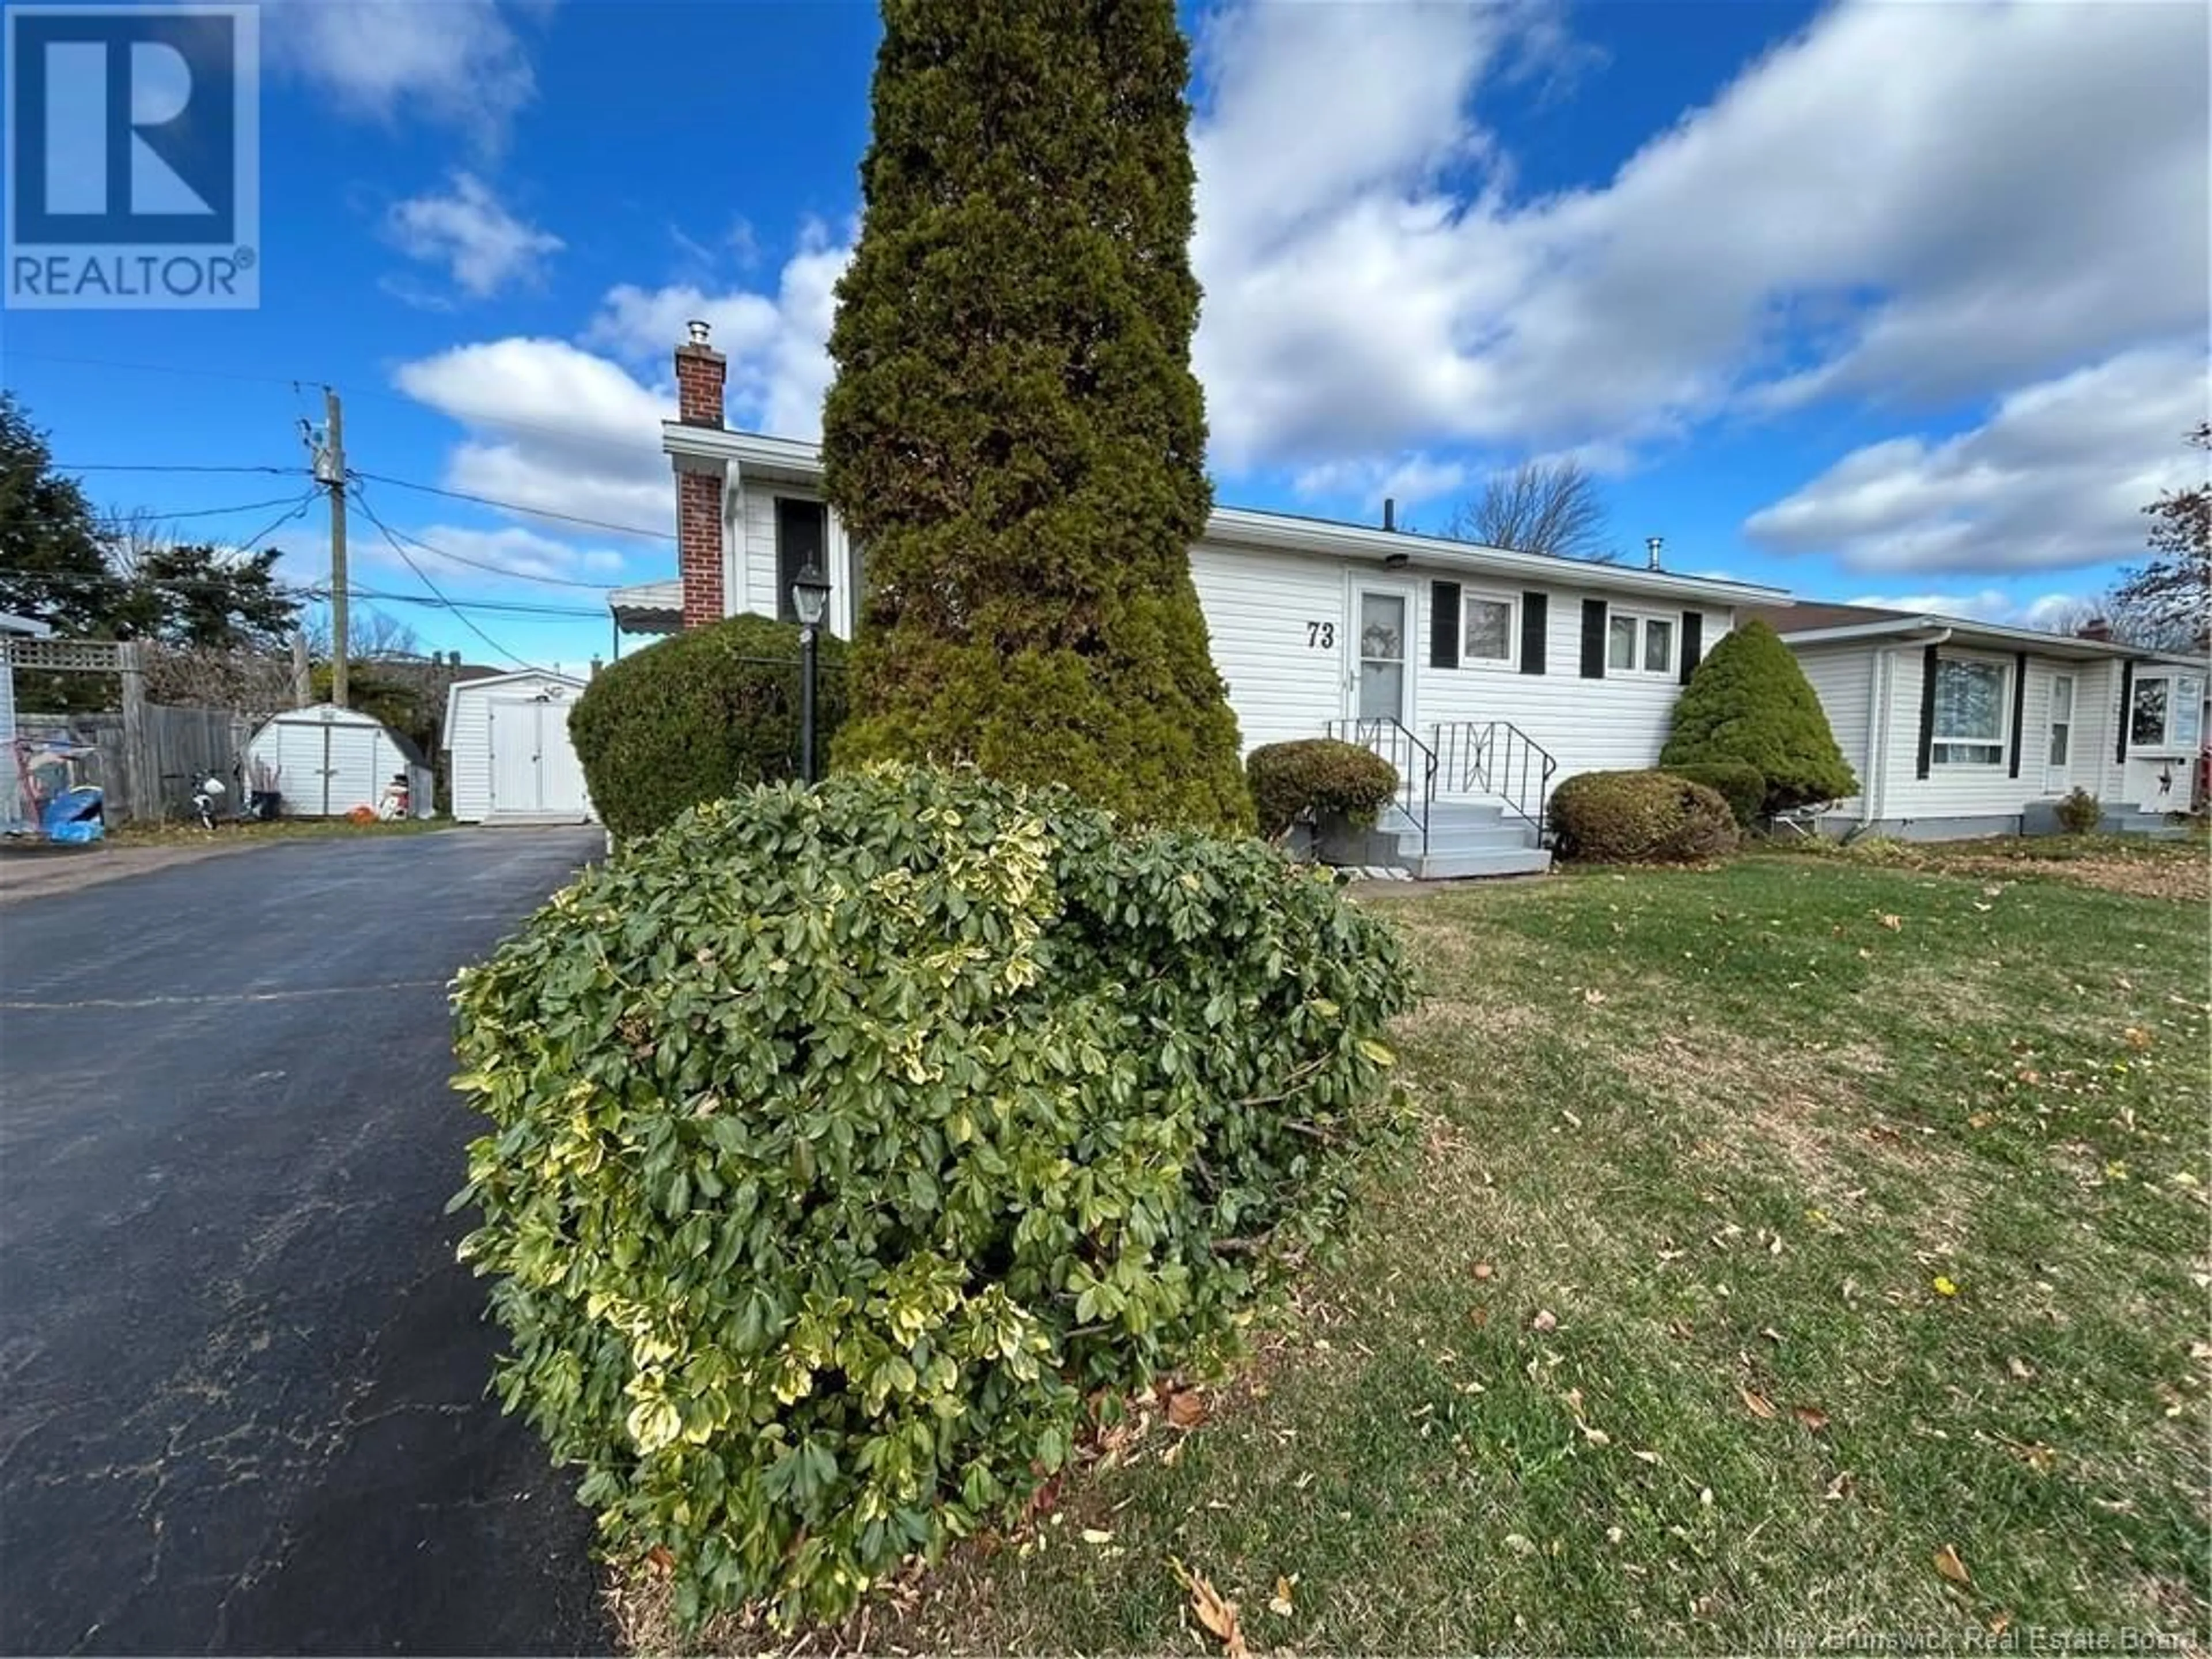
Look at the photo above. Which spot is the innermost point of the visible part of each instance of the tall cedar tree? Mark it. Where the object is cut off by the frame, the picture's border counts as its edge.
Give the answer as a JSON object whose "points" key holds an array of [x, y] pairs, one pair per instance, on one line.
{"points": [[1749, 700], [1015, 436]]}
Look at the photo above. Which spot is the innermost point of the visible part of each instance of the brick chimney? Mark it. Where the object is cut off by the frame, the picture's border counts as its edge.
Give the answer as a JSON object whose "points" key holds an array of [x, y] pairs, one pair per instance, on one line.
{"points": [[699, 376], [2095, 629]]}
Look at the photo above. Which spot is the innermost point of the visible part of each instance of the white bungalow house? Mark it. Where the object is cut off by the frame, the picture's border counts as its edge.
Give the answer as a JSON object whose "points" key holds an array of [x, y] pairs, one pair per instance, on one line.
{"points": [[1960, 728], [1485, 676]]}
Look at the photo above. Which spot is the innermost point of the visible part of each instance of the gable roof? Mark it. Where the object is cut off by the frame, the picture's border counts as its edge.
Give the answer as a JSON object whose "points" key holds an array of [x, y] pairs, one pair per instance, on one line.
{"points": [[1820, 623], [791, 460]]}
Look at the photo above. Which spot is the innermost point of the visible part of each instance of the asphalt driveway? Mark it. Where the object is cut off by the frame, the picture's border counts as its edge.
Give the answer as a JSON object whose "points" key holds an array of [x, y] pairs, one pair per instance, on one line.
{"points": [[242, 1399]]}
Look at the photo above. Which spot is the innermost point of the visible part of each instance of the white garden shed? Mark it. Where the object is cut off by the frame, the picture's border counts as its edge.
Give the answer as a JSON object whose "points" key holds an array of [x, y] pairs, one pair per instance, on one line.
{"points": [[327, 761], [506, 742]]}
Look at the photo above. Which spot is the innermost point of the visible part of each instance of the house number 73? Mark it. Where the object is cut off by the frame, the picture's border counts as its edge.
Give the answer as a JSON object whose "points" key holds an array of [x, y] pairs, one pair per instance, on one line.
{"points": [[1321, 635]]}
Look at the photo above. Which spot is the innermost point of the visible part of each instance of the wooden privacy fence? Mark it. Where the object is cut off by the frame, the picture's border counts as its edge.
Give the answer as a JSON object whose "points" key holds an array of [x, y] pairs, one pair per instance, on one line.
{"points": [[149, 764]]}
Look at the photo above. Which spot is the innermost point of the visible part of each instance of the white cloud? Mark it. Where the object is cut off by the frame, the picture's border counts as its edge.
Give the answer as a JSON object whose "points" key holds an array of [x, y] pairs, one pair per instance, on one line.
{"points": [[1925, 201], [456, 63], [2054, 479], [2053, 612], [551, 427], [777, 344], [1408, 481], [468, 230]]}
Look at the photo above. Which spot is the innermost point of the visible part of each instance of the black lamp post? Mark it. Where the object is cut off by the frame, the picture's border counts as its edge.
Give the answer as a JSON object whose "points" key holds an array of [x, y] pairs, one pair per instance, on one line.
{"points": [[809, 597]]}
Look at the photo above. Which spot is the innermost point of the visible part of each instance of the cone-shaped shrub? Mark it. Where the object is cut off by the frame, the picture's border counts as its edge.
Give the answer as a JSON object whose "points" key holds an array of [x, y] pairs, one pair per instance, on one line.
{"points": [[1749, 700], [1015, 435], [851, 1146]]}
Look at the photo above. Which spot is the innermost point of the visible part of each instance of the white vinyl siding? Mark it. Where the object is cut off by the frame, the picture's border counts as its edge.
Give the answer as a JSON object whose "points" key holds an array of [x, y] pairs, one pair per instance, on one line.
{"points": [[1278, 624], [1842, 677], [510, 708]]}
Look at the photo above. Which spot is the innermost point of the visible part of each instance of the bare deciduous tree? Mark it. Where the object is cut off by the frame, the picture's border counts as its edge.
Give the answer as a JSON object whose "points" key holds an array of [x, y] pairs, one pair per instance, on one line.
{"points": [[1540, 507], [371, 636]]}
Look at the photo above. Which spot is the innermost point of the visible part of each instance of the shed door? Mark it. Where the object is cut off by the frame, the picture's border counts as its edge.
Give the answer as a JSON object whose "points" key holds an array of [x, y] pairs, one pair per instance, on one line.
{"points": [[303, 767], [515, 756], [355, 769], [560, 774]]}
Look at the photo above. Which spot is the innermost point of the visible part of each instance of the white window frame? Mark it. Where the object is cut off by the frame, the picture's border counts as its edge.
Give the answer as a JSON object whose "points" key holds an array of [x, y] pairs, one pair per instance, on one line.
{"points": [[2175, 679], [1512, 659], [1643, 670], [1939, 739]]}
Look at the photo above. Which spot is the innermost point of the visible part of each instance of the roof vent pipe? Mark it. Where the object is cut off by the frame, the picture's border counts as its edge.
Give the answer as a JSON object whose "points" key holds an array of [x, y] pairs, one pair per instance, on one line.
{"points": [[1389, 512], [1651, 546]]}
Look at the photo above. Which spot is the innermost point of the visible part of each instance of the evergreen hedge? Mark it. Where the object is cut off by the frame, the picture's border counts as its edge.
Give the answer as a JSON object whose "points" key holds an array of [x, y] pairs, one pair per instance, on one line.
{"points": [[1639, 818], [853, 1148], [699, 715], [1014, 433], [1739, 783], [1750, 702], [1311, 778]]}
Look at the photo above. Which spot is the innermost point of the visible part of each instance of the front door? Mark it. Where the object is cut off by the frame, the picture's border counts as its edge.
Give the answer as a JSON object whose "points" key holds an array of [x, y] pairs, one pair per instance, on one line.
{"points": [[2058, 757], [1384, 618]]}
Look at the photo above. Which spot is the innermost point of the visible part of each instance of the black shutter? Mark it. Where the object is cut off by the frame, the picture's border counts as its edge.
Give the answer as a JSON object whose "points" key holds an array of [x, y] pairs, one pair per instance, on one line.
{"points": [[1535, 618], [2019, 705], [1593, 638], [2127, 703], [1443, 624], [1927, 713], [1693, 642], [801, 530]]}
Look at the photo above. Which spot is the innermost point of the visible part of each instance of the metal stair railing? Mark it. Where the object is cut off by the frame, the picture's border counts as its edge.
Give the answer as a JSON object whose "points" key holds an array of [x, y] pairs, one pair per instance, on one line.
{"points": [[1413, 761], [1496, 758]]}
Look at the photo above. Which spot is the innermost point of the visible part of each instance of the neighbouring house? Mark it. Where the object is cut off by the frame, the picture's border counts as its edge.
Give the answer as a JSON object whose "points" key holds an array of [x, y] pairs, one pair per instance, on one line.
{"points": [[1960, 728], [13, 810], [509, 759], [1485, 676]]}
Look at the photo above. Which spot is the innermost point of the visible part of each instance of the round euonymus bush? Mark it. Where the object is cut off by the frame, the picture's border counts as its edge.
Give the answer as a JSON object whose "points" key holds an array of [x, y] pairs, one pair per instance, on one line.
{"points": [[854, 1146]]}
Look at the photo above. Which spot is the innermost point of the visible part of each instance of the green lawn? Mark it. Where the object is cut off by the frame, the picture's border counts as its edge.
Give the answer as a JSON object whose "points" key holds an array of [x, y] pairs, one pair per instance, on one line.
{"points": [[1764, 1231]]}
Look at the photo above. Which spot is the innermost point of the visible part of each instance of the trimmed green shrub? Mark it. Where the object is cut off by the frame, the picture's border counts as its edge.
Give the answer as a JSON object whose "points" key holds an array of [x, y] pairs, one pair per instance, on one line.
{"points": [[1739, 783], [699, 715], [1313, 778], [1015, 433], [854, 1148], [2079, 812], [1749, 700], [1639, 818]]}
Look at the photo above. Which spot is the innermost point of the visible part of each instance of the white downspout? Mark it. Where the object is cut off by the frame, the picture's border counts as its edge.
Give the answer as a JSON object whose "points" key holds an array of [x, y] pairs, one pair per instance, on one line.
{"points": [[1876, 726], [735, 564]]}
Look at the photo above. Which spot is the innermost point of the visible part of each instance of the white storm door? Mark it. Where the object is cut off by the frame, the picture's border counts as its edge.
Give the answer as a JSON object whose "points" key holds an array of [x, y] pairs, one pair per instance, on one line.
{"points": [[1382, 619], [2058, 755]]}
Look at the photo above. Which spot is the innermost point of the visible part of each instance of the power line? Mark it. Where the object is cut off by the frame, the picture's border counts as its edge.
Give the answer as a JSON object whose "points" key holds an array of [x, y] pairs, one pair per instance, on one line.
{"points": [[504, 607], [408, 560], [165, 466], [361, 495], [217, 512], [517, 506]]}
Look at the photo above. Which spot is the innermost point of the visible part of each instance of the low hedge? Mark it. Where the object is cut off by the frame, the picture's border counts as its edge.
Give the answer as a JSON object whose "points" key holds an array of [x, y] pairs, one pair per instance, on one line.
{"points": [[854, 1148], [1639, 818], [1739, 783], [1314, 778], [699, 715]]}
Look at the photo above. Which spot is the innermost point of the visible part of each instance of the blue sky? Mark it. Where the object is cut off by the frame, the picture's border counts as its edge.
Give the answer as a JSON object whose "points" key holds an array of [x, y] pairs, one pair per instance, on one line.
{"points": [[1902, 302]]}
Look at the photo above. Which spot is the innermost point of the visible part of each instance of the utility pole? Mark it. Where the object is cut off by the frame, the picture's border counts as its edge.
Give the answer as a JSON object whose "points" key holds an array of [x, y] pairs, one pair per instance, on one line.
{"points": [[331, 472]]}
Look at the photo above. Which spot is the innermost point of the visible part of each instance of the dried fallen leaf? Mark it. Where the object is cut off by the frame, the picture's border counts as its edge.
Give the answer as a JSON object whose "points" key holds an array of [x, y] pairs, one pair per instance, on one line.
{"points": [[2021, 1369], [1593, 996], [1096, 1535], [1949, 1563], [1758, 1404], [663, 1558], [1483, 1270], [1811, 1416], [2001, 1624], [1280, 1603], [1215, 1610], [1943, 1286], [1519, 1544], [1647, 1457], [1185, 1410], [1545, 1320], [2136, 1037], [1479, 1318], [1892, 923]]}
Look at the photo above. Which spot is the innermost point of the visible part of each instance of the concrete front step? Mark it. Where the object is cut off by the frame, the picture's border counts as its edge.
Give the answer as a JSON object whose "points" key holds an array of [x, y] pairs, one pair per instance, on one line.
{"points": [[1490, 838], [1498, 861]]}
